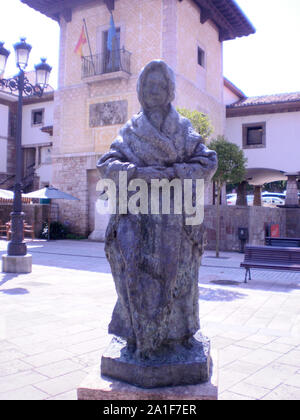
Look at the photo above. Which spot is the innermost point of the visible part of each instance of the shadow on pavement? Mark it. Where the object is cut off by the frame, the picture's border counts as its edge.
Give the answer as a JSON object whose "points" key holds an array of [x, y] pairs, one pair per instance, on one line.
{"points": [[206, 293], [74, 255], [15, 291], [7, 277]]}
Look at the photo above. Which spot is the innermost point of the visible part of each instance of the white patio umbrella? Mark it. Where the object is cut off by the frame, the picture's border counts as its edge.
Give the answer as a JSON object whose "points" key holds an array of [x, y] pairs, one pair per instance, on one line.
{"points": [[50, 193], [6, 194]]}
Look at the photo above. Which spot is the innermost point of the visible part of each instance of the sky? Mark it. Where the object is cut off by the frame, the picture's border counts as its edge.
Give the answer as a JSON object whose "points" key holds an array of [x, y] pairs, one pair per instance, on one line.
{"points": [[265, 63], [18, 20]]}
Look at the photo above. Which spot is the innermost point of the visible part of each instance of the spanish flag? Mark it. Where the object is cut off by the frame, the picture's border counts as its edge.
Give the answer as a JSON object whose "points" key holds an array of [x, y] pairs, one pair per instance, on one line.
{"points": [[82, 40]]}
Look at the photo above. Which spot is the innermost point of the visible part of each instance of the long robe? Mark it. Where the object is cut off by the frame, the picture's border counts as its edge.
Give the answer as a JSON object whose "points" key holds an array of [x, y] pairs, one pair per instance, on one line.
{"points": [[155, 258]]}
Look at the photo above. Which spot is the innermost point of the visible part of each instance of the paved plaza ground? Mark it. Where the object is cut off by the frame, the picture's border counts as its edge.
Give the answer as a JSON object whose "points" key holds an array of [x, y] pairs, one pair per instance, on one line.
{"points": [[53, 323]]}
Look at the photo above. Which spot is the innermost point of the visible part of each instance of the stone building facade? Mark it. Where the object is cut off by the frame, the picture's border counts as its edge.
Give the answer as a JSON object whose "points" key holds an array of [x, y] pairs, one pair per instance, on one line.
{"points": [[95, 97]]}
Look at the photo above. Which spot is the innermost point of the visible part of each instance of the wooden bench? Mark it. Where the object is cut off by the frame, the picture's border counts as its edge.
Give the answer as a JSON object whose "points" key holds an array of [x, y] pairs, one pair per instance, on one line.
{"points": [[3, 229], [270, 258], [27, 229], [282, 242]]}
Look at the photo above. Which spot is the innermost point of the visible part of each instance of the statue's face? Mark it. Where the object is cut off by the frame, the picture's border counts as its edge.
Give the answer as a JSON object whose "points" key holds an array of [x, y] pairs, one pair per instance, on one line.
{"points": [[155, 89]]}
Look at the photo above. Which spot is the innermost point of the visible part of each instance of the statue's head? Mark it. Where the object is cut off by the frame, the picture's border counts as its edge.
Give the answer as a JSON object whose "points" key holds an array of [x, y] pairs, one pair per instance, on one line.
{"points": [[156, 85]]}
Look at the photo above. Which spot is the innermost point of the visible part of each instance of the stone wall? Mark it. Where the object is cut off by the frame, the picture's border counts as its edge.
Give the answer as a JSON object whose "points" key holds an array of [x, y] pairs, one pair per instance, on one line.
{"points": [[35, 214], [261, 216], [233, 217], [71, 175]]}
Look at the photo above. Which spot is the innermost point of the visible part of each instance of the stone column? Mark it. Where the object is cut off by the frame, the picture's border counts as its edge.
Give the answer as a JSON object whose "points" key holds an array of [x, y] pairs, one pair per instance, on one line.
{"points": [[101, 221], [241, 199], [291, 198], [257, 195]]}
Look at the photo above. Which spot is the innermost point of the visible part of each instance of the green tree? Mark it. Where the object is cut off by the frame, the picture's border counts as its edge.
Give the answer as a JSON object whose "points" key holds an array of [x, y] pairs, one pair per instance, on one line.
{"points": [[200, 122], [231, 169]]}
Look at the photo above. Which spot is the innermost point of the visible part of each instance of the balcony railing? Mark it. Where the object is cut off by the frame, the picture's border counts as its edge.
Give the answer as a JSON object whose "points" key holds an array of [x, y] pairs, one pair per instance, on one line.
{"points": [[108, 62]]}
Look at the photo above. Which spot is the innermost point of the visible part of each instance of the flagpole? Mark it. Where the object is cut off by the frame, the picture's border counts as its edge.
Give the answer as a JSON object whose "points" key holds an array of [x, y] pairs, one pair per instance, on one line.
{"points": [[88, 40]]}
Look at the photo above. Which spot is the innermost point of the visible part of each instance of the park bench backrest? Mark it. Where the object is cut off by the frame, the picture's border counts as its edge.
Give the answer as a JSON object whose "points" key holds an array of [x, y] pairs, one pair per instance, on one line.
{"points": [[266, 254], [283, 242]]}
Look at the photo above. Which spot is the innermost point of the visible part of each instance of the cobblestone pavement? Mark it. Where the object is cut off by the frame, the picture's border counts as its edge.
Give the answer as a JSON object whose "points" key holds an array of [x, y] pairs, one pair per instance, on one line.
{"points": [[53, 323]]}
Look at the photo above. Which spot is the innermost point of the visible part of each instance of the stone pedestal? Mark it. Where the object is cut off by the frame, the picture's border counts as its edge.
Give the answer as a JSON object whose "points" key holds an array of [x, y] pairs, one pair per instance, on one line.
{"points": [[101, 221], [97, 387], [177, 366], [17, 264]]}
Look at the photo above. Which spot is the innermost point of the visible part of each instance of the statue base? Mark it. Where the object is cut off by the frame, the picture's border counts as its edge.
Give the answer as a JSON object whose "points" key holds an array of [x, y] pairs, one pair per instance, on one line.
{"points": [[101, 388], [181, 366]]}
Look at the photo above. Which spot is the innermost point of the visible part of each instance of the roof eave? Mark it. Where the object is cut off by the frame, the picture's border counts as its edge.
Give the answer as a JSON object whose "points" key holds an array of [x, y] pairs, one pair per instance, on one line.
{"points": [[225, 14], [259, 109]]}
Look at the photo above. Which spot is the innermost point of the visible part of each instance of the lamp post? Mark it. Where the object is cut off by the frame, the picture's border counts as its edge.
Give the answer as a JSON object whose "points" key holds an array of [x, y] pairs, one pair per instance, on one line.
{"points": [[15, 260]]}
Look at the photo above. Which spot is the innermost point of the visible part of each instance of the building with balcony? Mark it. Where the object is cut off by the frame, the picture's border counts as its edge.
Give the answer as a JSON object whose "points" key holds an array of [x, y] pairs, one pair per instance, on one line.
{"points": [[37, 131], [97, 91]]}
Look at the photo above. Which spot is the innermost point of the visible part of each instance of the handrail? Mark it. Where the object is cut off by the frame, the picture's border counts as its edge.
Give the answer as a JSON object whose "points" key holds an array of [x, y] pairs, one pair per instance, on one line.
{"points": [[108, 62]]}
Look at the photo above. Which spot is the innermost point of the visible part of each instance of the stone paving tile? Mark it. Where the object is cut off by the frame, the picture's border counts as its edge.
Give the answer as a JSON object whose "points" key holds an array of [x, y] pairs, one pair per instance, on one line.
{"points": [[231, 396], [249, 344], [232, 353], [261, 357], [27, 393], [291, 358], [283, 392], [10, 354], [13, 366], [61, 384], [66, 396], [58, 368], [20, 380], [293, 381], [86, 346], [262, 339], [264, 378], [278, 347], [90, 359], [249, 390], [241, 367], [55, 321], [47, 358], [229, 378]]}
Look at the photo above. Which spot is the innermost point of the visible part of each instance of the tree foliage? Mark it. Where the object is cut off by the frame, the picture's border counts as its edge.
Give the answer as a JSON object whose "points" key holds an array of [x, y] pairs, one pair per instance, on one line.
{"points": [[231, 161], [231, 168], [200, 122]]}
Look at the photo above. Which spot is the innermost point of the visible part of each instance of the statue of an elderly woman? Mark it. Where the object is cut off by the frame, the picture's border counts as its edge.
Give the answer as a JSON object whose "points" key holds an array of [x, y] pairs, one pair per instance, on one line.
{"points": [[155, 258]]}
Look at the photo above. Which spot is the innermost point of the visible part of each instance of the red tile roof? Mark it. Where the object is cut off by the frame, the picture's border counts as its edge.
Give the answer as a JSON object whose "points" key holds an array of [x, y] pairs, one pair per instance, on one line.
{"points": [[278, 98]]}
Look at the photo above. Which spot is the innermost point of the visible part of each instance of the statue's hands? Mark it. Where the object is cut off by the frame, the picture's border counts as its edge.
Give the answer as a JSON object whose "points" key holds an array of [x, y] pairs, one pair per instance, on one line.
{"points": [[155, 172]]}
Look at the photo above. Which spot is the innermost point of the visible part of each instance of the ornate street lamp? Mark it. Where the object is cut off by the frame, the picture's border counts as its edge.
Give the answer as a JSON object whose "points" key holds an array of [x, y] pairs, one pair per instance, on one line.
{"points": [[42, 72], [17, 247], [22, 51], [4, 53]]}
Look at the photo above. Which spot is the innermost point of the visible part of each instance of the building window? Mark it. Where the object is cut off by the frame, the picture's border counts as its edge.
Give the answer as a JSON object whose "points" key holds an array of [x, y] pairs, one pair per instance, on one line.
{"points": [[37, 117], [111, 58], [12, 129], [254, 135], [201, 57]]}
